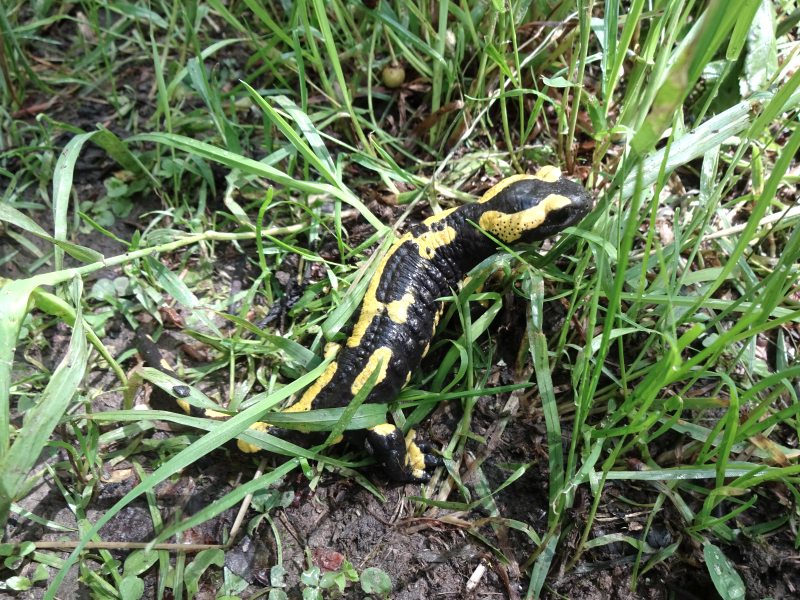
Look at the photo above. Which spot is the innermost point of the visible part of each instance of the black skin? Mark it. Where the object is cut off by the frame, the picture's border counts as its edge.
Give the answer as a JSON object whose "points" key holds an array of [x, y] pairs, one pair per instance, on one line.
{"points": [[390, 451], [427, 279]]}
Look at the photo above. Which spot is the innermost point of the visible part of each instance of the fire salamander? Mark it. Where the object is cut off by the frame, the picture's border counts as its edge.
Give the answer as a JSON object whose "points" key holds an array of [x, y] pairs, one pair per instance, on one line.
{"points": [[398, 316]]}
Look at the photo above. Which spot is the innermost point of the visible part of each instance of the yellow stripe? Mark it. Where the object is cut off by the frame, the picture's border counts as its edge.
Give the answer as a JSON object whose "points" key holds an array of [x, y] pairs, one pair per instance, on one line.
{"points": [[549, 174], [215, 414], [414, 455], [370, 305], [372, 364], [311, 393], [438, 217], [331, 349], [383, 429], [250, 448], [427, 243], [510, 227]]}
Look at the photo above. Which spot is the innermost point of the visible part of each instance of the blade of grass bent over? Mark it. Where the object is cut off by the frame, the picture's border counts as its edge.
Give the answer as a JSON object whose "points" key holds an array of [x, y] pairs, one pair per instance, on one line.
{"points": [[62, 186], [42, 419]]}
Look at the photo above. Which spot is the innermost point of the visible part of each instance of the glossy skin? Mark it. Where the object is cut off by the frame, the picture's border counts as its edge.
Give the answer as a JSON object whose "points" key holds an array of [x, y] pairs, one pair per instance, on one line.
{"points": [[397, 318]]}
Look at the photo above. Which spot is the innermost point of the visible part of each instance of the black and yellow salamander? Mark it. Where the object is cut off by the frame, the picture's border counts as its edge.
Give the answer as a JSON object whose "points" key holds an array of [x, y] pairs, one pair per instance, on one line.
{"points": [[396, 320]]}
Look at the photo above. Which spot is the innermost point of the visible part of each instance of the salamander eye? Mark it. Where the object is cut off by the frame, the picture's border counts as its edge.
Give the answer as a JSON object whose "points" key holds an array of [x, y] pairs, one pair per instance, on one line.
{"points": [[557, 217]]}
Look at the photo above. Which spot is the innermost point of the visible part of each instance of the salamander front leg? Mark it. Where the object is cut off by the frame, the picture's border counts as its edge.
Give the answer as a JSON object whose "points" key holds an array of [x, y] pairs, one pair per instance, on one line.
{"points": [[402, 458]]}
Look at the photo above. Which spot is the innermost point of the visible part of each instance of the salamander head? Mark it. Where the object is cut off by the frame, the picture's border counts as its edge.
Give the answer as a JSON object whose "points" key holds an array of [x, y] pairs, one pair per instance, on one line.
{"points": [[529, 208]]}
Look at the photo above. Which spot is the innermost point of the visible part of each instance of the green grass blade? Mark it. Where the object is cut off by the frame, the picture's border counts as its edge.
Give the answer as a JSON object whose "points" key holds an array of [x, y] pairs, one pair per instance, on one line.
{"points": [[747, 11], [540, 569], [765, 199], [309, 132], [15, 217], [42, 419], [62, 188], [533, 286], [621, 48], [249, 165], [226, 502], [325, 170], [693, 144], [214, 439], [262, 14]]}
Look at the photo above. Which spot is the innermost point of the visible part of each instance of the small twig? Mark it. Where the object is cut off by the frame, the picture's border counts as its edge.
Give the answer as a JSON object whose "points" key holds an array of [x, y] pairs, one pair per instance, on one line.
{"points": [[245, 505]]}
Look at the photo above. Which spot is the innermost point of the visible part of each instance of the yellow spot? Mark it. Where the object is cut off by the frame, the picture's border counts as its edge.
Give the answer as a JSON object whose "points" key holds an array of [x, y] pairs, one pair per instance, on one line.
{"points": [[187, 408], [250, 448], [438, 217], [363, 322], [429, 241], [428, 347], [165, 364], [311, 393], [549, 174], [398, 309], [331, 349], [337, 439], [509, 227], [499, 187], [408, 379], [372, 364], [414, 455], [246, 448], [383, 429], [215, 414]]}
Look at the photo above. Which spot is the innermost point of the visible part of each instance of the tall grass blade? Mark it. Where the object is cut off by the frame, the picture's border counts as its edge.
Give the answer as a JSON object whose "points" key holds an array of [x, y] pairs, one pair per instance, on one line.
{"points": [[41, 420]]}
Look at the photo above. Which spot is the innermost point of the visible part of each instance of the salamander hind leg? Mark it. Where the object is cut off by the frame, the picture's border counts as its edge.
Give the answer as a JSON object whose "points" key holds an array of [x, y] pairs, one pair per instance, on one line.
{"points": [[402, 458]]}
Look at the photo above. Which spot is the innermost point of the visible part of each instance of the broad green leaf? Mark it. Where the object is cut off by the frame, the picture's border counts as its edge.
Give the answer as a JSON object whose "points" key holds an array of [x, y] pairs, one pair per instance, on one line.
{"points": [[39, 421], [761, 62], [198, 566], [727, 581], [131, 587], [375, 581]]}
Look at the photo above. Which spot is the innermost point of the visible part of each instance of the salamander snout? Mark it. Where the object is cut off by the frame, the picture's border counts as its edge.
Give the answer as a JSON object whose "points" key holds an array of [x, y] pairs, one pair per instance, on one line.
{"points": [[566, 205]]}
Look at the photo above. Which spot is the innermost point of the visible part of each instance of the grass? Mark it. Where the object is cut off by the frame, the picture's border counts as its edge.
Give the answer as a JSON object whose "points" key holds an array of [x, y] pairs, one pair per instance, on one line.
{"points": [[253, 121]]}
